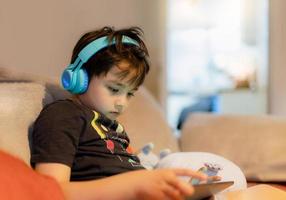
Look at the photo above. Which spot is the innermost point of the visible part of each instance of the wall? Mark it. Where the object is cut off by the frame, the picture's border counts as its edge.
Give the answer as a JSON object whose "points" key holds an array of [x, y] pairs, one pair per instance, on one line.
{"points": [[277, 57], [38, 35]]}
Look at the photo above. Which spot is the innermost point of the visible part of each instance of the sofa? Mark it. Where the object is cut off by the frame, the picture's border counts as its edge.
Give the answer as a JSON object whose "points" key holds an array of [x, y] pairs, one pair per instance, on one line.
{"points": [[255, 143]]}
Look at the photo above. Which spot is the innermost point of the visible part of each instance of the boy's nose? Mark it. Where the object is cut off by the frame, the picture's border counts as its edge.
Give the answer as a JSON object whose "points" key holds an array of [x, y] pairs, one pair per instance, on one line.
{"points": [[120, 104], [119, 108]]}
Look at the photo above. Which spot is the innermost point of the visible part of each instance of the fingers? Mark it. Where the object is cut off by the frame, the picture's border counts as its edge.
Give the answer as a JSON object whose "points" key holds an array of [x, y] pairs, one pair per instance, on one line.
{"points": [[171, 192], [214, 178], [184, 188], [173, 187], [188, 172]]}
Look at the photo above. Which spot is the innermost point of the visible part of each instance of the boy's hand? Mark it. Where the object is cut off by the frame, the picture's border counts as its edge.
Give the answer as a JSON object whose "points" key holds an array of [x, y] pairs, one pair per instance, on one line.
{"points": [[213, 179], [161, 184]]}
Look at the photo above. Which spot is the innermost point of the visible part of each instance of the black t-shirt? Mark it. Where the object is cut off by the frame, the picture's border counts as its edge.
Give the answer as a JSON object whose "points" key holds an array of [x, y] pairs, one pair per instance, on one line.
{"points": [[91, 144]]}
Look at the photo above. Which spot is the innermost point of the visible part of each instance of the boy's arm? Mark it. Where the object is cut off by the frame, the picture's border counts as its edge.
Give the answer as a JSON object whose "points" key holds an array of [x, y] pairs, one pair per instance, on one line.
{"points": [[135, 185], [58, 171]]}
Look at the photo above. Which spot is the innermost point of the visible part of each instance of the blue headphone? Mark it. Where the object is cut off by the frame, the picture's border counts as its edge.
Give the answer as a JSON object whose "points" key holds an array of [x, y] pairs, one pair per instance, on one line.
{"points": [[75, 78]]}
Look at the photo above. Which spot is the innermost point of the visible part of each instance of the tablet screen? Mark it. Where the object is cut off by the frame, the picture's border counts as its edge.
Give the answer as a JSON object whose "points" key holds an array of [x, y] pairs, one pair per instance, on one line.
{"points": [[205, 190]]}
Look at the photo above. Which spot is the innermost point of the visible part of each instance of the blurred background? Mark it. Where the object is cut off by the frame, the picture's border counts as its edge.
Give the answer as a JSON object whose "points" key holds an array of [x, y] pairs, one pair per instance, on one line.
{"points": [[217, 57], [222, 56]]}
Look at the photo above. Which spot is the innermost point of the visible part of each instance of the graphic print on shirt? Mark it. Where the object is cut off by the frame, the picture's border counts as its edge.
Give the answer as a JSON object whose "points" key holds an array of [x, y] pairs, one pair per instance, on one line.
{"points": [[133, 162], [98, 130], [109, 143], [105, 132]]}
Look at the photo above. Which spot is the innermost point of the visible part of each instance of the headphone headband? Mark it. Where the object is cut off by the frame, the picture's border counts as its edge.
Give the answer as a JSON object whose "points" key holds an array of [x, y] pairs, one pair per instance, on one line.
{"points": [[92, 48]]}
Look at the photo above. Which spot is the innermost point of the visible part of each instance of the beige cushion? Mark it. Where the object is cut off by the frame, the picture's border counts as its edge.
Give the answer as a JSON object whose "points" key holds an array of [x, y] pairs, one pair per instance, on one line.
{"points": [[145, 122], [257, 144], [20, 104]]}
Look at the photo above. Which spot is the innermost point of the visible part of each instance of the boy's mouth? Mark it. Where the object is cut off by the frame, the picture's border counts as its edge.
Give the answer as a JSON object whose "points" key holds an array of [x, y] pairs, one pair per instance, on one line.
{"points": [[115, 113]]}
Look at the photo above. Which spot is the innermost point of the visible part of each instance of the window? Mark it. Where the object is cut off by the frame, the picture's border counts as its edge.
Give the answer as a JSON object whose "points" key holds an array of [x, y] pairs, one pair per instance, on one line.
{"points": [[215, 46]]}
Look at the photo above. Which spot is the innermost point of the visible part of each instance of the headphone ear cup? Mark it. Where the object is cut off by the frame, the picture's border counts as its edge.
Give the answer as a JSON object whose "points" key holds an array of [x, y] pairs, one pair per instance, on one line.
{"points": [[68, 82], [81, 83]]}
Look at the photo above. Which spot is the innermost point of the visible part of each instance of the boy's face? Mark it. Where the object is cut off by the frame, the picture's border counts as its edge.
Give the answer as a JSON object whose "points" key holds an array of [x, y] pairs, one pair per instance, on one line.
{"points": [[109, 94]]}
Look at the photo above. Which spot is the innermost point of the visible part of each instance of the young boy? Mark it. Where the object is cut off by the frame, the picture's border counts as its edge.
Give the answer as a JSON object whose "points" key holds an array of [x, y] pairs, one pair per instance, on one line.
{"points": [[79, 139]]}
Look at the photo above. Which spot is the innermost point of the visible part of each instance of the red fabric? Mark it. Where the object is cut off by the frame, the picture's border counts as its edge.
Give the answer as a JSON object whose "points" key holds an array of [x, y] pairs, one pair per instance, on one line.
{"points": [[19, 181]]}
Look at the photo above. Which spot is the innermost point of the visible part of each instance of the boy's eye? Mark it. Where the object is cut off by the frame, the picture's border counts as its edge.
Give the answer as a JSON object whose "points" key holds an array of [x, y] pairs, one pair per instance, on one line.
{"points": [[113, 90], [130, 94]]}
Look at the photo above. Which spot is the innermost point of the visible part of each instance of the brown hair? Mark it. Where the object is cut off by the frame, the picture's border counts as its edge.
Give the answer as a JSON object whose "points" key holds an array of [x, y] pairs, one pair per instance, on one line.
{"points": [[106, 58]]}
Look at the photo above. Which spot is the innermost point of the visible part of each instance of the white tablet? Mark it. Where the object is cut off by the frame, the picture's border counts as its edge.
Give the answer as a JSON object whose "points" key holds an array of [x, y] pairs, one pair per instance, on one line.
{"points": [[206, 190]]}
